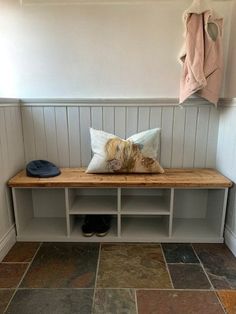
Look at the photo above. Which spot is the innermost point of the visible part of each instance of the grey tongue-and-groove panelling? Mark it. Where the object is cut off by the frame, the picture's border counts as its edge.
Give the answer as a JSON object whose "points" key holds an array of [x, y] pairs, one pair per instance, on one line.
{"points": [[61, 133], [11, 161]]}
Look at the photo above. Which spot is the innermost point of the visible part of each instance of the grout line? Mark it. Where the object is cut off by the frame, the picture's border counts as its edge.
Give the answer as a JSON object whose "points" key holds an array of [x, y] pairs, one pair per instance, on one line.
{"points": [[201, 264], [65, 288], [27, 268], [96, 277], [167, 268], [219, 300], [181, 263], [212, 287], [135, 300], [118, 288]]}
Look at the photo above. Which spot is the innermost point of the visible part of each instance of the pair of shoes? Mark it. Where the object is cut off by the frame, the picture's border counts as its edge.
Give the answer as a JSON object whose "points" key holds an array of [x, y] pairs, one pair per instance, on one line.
{"points": [[99, 224]]}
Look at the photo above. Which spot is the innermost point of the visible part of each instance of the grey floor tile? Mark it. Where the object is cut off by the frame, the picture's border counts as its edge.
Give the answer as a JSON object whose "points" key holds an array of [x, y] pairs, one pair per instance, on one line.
{"points": [[188, 276], [179, 253], [114, 301], [63, 265], [51, 301]]}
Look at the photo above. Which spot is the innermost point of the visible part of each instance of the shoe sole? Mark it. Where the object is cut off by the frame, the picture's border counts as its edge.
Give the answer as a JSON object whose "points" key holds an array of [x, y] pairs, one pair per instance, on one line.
{"points": [[88, 234], [101, 234]]}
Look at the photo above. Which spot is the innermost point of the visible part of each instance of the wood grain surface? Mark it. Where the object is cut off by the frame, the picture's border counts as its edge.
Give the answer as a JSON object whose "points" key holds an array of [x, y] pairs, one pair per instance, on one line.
{"points": [[76, 177]]}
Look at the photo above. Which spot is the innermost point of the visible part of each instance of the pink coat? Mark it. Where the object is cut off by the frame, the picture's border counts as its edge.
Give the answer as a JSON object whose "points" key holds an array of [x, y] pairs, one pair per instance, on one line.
{"points": [[202, 57]]}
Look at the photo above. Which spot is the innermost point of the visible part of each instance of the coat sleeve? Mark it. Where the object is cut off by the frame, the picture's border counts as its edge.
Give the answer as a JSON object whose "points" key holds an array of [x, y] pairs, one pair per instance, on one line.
{"points": [[195, 52]]}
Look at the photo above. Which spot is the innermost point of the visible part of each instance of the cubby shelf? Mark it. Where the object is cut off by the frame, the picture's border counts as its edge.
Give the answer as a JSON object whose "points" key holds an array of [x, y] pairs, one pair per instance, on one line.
{"points": [[145, 205], [94, 204]]}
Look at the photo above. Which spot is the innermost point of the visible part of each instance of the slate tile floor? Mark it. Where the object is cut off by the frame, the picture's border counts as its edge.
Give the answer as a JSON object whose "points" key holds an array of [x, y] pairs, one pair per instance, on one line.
{"points": [[87, 278]]}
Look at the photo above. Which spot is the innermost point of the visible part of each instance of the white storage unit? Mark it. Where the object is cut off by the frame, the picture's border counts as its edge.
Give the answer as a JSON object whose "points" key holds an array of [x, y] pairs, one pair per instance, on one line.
{"points": [[138, 214]]}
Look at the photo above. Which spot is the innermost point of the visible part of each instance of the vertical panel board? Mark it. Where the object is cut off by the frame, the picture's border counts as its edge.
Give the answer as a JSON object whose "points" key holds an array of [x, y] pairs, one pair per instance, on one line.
{"points": [[108, 119], [96, 118], [11, 137], [166, 137], [4, 168], [131, 121], [212, 138], [155, 117], [51, 134], [20, 140], [85, 122], [74, 136], [178, 137], [28, 133], [219, 155], [190, 136], [3, 146], [233, 136], [62, 136], [228, 144], [5, 219], [201, 137], [39, 133], [120, 118], [143, 118]]}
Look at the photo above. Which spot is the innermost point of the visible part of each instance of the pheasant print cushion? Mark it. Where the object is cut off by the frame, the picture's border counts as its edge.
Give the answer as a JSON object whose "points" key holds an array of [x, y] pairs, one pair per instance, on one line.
{"points": [[139, 153]]}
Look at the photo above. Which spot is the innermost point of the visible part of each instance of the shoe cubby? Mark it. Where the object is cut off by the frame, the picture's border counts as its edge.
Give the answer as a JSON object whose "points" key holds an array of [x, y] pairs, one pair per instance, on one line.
{"points": [[92, 201], [76, 222], [144, 228], [199, 214], [40, 214], [138, 201]]}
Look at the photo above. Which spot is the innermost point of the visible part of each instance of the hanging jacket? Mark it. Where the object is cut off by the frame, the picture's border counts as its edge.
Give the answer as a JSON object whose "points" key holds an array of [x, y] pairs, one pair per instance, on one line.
{"points": [[202, 56]]}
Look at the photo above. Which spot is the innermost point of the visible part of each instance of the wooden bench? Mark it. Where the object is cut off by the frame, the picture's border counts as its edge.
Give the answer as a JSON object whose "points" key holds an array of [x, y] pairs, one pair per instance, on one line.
{"points": [[181, 205]]}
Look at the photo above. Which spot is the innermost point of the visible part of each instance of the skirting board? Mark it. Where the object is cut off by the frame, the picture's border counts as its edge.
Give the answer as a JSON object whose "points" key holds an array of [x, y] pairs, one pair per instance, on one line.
{"points": [[7, 241], [230, 240]]}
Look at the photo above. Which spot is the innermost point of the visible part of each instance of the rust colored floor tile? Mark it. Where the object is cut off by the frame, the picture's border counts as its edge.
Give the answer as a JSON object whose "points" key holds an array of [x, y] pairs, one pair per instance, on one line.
{"points": [[5, 296], [132, 266], [114, 301], [179, 253], [51, 301], [177, 302], [228, 299], [219, 263], [11, 274], [63, 265], [22, 252], [188, 276]]}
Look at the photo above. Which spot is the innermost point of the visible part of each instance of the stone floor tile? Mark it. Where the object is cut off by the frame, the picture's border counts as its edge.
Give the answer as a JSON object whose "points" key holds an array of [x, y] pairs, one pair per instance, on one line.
{"points": [[63, 265], [179, 253], [5, 296], [11, 274], [51, 301], [113, 301], [177, 302], [188, 276], [219, 263], [228, 299], [22, 252], [132, 266]]}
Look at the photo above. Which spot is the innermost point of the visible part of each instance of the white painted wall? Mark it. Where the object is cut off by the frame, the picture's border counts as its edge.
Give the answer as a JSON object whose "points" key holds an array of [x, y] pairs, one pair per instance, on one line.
{"points": [[11, 161], [61, 133], [86, 51], [226, 157], [230, 82]]}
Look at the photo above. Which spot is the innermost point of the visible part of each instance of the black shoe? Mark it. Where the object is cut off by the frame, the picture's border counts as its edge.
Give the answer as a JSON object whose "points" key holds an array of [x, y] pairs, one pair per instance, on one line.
{"points": [[103, 223], [88, 228]]}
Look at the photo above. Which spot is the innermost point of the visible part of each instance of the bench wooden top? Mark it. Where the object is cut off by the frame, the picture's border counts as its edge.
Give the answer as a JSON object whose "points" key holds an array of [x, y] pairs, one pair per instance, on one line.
{"points": [[76, 177]]}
